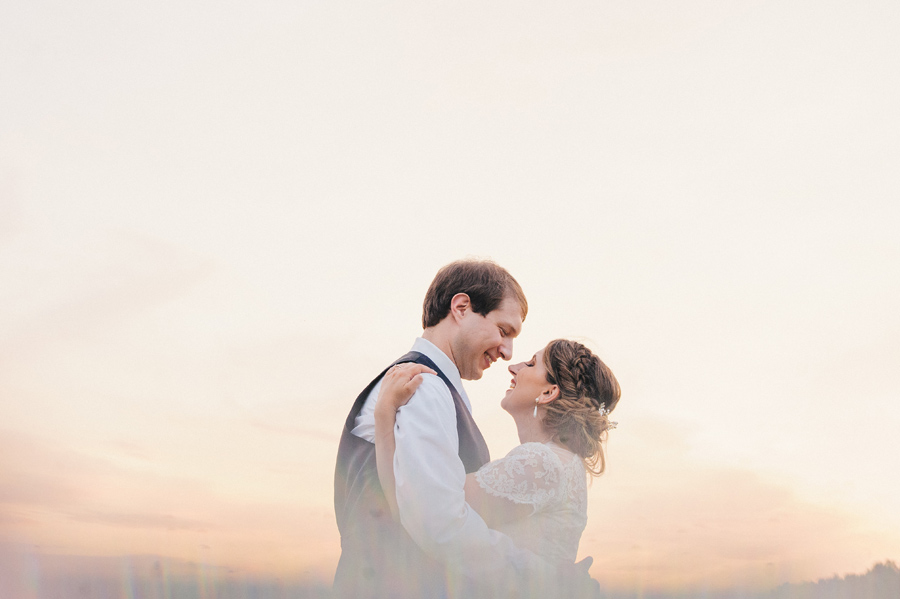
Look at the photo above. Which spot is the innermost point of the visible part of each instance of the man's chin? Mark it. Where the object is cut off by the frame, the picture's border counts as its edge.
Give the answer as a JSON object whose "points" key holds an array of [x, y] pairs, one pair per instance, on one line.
{"points": [[474, 375]]}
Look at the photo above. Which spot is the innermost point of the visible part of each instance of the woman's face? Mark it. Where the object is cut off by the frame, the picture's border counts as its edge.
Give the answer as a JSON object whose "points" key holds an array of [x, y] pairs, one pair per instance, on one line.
{"points": [[528, 382]]}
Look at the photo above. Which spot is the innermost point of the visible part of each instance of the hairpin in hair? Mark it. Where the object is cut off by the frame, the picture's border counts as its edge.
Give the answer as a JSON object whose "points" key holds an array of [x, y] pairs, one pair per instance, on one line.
{"points": [[610, 425]]}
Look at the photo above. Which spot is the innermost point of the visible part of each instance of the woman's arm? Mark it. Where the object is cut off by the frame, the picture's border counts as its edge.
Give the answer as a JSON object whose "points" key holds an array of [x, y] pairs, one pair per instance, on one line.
{"points": [[397, 387], [492, 509], [529, 479]]}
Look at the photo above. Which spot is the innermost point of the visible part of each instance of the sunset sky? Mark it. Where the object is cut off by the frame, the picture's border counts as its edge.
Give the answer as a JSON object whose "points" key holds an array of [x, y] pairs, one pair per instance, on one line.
{"points": [[217, 224]]}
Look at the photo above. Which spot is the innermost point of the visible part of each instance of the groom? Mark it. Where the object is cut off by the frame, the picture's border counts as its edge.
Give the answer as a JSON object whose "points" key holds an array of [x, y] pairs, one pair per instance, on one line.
{"points": [[441, 547]]}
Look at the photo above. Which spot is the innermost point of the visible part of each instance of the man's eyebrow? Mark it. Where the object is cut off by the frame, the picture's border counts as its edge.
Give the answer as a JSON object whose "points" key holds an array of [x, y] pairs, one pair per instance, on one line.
{"points": [[514, 330]]}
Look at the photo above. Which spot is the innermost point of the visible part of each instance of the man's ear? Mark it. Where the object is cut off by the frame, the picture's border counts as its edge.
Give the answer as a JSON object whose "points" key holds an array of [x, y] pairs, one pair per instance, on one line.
{"points": [[459, 305], [549, 395]]}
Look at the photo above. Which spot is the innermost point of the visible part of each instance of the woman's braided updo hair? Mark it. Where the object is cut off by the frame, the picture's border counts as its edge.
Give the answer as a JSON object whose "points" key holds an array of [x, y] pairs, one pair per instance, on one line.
{"points": [[585, 384]]}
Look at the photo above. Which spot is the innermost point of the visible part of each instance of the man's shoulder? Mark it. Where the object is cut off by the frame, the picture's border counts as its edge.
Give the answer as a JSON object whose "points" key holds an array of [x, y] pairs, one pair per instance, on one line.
{"points": [[433, 386], [432, 399], [430, 411]]}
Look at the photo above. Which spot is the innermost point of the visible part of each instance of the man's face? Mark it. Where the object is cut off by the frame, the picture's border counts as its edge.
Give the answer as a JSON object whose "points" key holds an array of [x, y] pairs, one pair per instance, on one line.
{"points": [[482, 340]]}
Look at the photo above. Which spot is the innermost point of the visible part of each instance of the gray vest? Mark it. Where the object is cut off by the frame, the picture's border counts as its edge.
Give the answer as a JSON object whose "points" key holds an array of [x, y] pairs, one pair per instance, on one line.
{"points": [[378, 557]]}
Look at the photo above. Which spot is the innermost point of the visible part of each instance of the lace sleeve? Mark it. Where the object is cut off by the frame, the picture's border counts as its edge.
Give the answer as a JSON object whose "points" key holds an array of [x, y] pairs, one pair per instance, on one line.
{"points": [[531, 474]]}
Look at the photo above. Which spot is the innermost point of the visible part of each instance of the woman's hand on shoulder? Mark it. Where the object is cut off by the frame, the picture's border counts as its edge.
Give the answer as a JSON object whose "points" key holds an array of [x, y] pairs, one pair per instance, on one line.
{"points": [[398, 386]]}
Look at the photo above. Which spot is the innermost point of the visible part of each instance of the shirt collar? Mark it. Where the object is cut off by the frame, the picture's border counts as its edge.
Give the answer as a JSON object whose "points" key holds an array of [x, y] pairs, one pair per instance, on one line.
{"points": [[444, 363]]}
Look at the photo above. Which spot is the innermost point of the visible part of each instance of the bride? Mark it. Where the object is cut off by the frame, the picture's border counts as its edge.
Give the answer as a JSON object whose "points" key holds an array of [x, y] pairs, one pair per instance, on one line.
{"points": [[537, 494]]}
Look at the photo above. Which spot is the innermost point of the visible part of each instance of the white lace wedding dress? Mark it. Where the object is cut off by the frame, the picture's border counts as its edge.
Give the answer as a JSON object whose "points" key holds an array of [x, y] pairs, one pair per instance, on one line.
{"points": [[553, 481]]}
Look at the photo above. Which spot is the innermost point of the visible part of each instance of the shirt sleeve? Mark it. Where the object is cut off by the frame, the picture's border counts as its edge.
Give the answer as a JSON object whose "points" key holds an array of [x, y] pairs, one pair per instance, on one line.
{"points": [[430, 480], [530, 474]]}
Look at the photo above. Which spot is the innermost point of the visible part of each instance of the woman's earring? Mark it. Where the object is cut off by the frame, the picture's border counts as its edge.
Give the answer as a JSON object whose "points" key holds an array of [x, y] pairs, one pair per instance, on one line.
{"points": [[536, 401]]}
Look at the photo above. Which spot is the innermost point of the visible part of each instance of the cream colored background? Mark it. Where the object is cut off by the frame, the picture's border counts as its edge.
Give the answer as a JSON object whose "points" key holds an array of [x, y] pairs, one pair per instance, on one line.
{"points": [[217, 222]]}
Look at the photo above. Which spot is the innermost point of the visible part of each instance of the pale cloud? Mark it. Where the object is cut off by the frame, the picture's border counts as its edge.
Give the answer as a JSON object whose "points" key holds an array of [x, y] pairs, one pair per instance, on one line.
{"points": [[147, 520], [663, 517], [71, 288], [132, 450], [65, 501], [10, 209], [296, 431]]}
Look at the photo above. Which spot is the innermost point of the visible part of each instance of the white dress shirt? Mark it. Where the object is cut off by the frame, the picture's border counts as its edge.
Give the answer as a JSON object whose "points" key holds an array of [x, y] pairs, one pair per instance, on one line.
{"points": [[430, 478]]}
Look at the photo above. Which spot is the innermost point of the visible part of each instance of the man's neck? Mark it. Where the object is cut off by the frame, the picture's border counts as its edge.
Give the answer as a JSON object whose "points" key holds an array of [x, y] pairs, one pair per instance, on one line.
{"points": [[438, 336]]}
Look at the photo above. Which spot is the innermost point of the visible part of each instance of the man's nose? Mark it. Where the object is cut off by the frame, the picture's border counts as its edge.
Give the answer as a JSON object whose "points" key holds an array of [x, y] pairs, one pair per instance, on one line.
{"points": [[506, 349]]}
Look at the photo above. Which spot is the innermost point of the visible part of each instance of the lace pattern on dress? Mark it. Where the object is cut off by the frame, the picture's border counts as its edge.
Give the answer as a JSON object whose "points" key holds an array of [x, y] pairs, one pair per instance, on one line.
{"points": [[552, 480], [530, 474]]}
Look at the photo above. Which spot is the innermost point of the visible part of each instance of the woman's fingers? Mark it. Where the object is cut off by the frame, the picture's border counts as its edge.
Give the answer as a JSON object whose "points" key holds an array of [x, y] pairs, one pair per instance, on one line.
{"points": [[414, 383], [401, 381], [417, 369], [408, 370]]}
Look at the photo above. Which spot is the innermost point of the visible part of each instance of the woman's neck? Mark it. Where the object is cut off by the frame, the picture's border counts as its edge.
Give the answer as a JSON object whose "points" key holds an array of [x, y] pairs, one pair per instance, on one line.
{"points": [[531, 430]]}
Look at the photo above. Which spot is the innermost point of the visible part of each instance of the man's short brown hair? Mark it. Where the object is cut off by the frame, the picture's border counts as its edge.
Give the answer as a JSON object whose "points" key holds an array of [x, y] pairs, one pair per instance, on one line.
{"points": [[486, 283]]}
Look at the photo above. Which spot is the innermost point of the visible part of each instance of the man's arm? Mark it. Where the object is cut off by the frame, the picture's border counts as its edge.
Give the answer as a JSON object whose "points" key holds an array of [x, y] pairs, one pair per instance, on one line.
{"points": [[430, 480]]}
